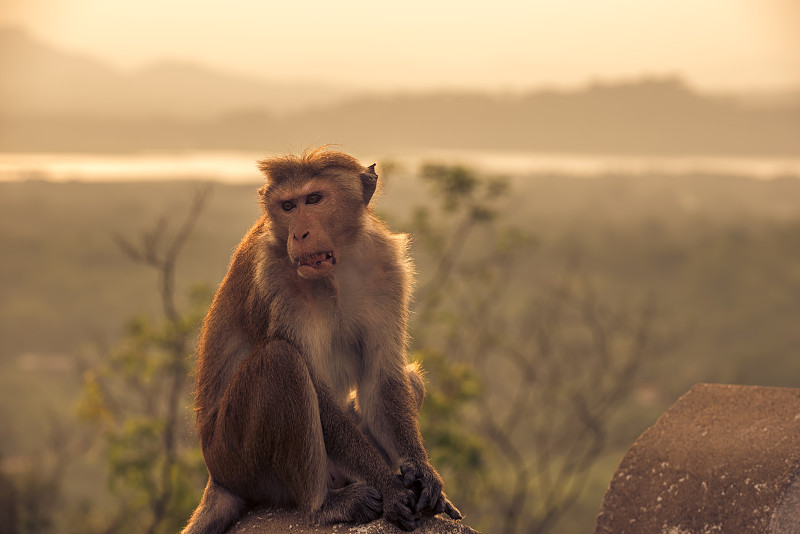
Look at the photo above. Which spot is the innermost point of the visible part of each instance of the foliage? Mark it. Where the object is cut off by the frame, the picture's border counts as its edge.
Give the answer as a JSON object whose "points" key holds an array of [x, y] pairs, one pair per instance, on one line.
{"points": [[567, 360], [138, 398], [469, 206], [32, 497], [457, 453], [26, 502]]}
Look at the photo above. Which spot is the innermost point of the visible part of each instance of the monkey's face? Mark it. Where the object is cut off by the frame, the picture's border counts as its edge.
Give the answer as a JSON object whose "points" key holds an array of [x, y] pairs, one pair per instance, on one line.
{"points": [[317, 206], [317, 220]]}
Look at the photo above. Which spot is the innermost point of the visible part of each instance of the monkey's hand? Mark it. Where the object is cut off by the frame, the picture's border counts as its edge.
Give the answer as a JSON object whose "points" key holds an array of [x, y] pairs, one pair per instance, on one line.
{"points": [[398, 505], [427, 486]]}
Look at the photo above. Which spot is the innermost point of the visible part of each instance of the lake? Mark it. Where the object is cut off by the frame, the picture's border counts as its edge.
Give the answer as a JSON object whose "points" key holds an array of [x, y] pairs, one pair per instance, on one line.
{"points": [[239, 167]]}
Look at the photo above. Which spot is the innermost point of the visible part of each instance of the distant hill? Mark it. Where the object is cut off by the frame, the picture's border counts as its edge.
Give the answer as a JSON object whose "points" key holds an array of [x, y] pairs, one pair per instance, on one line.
{"points": [[38, 80], [50, 101]]}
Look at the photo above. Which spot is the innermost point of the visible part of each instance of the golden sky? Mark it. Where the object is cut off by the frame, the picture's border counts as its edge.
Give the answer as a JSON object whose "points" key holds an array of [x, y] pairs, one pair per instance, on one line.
{"points": [[423, 44]]}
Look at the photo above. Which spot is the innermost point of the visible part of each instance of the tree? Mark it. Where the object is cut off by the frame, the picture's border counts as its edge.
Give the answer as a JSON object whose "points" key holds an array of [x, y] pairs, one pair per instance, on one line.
{"points": [[548, 362], [138, 395]]}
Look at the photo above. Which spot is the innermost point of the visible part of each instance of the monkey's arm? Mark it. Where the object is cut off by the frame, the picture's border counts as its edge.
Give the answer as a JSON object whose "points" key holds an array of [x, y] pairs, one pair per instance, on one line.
{"points": [[349, 449], [391, 416]]}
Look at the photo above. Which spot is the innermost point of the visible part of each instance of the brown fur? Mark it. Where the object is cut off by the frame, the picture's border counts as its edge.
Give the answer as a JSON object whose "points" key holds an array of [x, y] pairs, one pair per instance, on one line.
{"points": [[313, 308]]}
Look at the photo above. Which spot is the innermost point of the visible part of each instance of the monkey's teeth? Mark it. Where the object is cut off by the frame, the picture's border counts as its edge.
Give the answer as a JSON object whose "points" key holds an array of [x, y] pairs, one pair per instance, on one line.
{"points": [[316, 260]]}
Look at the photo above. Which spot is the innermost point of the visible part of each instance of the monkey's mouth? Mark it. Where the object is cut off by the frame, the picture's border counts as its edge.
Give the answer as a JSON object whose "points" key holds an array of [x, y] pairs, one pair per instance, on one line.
{"points": [[317, 264], [315, 260]]}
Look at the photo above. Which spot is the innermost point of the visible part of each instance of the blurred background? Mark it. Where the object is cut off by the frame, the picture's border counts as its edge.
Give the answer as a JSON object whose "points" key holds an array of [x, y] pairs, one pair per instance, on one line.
{"points": [[604, 199]]}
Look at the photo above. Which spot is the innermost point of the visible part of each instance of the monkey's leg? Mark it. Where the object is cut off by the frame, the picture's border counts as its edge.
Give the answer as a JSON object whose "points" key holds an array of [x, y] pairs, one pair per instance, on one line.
{"points": [[268, 445]]}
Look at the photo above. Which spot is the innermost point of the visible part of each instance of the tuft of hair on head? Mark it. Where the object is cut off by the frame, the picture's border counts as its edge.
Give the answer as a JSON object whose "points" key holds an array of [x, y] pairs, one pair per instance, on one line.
{"points": [[308, 164]]}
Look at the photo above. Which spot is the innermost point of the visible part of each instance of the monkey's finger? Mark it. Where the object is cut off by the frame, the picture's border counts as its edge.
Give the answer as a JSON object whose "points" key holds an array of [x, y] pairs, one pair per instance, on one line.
{"points": [[451, 510], [411, 525], [433, 498], [424, 499], [436, 502], [406, 521], [407, 524], [409, 477]]}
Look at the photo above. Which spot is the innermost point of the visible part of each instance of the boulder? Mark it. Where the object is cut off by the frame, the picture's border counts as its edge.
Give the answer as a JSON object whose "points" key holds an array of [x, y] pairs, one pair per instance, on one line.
{"points": [[722, 459], [272, 521]]}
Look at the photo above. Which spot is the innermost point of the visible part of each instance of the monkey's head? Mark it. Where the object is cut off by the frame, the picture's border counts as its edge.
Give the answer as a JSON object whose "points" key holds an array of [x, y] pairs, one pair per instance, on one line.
{"points": [[315, 204]]}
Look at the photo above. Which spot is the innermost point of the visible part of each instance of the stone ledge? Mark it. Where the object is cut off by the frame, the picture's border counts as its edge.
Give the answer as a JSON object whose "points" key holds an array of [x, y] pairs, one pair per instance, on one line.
{"points": [[721, 459], [272, 521]]}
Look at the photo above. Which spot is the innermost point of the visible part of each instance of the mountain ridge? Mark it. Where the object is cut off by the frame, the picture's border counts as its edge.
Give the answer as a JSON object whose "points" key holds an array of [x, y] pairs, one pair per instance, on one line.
{"points": [[42, 80], [53, 101]]}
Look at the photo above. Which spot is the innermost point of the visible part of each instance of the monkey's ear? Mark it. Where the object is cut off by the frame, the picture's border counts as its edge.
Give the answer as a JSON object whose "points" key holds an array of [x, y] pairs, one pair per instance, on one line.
{"points": [[369, 180]]}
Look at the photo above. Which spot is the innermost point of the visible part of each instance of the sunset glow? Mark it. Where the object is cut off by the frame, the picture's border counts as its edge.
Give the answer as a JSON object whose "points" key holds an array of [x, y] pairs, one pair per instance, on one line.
{"points": [[502, 45]]}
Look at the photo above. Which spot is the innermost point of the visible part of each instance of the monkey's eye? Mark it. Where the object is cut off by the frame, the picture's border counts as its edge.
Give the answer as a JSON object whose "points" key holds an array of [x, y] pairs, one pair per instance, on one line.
{"points": [[313, 198], [287, 205]]}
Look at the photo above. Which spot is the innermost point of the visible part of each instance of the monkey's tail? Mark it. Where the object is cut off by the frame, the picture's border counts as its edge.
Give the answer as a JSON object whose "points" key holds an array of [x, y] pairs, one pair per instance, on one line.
{"points": [[217, 511]]}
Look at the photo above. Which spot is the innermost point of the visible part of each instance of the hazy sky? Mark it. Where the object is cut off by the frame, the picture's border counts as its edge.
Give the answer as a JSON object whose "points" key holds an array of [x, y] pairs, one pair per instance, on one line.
{"points": [[495, 44]]}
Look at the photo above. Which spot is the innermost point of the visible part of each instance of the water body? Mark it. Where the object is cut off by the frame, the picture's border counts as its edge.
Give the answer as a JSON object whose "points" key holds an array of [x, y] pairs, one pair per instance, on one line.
{"points": [[240, 167]]}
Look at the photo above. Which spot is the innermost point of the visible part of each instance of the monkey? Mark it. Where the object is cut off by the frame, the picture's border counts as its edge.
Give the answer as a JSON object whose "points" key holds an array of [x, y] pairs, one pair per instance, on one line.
{"points": [[304, 396]]}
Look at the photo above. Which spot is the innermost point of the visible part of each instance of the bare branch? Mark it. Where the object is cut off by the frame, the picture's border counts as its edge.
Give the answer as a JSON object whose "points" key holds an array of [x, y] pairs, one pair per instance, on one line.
{"points": [[128, 248], [512, 455]]}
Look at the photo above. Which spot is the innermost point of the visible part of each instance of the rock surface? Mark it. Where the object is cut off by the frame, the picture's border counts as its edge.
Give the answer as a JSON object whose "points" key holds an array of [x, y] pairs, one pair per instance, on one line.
{"points": [[722, 459], [269, 521]]}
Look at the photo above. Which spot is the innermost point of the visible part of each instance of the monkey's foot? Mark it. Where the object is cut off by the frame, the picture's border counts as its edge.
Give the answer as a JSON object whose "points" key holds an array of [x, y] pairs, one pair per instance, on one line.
{"points": [[355, 503]]}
